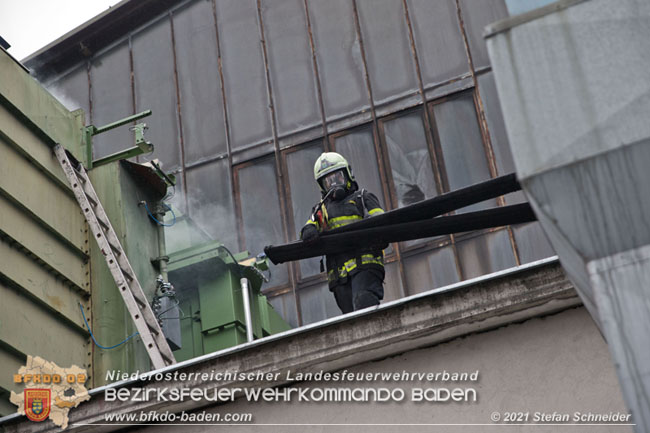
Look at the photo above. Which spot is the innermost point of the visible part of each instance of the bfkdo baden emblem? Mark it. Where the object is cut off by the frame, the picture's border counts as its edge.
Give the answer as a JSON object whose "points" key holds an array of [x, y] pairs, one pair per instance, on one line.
{"points": [[37, 403]]}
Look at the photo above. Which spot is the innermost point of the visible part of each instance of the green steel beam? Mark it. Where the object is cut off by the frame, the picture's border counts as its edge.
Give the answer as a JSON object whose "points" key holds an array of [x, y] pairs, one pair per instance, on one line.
{"points": [[10, 360], [88, 132], [141, 145], [6, 408], [124, 154], [26, 184], [29, 145], [53, 292], [43, 244], [41, 112], [31, 329], [118, 123], [78, 249]]}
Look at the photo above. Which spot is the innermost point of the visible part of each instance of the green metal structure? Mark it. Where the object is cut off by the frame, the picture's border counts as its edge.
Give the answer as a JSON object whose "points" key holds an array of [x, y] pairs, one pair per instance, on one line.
{"points": [[44, 252], [141, 145], [44, 244], [50, 269], [207, 282], [121, 187], [49, 266]]}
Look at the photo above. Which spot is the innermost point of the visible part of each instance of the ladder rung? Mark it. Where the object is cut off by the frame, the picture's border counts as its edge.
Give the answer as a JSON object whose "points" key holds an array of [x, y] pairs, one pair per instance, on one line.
{"points": [[140, 301], [153, 329], [126, 273], [88, 190], [116, 248], [79, 169], [167, 358], [103, 223], [92, 201]]}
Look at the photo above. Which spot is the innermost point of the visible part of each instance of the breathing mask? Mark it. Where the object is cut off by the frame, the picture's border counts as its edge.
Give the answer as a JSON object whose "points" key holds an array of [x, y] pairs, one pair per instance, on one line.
{"points": [[334, 183]]}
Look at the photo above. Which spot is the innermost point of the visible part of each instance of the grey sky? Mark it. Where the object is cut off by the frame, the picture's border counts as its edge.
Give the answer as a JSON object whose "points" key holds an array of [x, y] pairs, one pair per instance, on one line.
{"points": [[29, 25]]}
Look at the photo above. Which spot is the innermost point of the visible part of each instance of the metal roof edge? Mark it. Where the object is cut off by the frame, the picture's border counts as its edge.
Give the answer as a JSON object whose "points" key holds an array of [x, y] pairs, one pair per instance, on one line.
{"points": [[342, 318], [86, 39], [517, 20], [516, 294], [111, 10]]}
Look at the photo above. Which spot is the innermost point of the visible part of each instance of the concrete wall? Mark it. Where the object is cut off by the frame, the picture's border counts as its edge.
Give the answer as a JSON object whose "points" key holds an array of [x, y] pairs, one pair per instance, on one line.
{"points": [[524, 330], [573, 83], [557, 363]]}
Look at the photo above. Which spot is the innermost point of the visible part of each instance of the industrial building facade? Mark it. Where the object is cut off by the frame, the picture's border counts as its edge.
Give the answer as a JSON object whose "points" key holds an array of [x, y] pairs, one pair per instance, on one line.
{"points": [[246, 94]]}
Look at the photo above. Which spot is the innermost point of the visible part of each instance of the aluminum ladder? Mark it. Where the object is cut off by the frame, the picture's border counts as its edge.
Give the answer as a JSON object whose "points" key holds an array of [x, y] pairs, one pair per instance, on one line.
{"points": [[126, 280]]}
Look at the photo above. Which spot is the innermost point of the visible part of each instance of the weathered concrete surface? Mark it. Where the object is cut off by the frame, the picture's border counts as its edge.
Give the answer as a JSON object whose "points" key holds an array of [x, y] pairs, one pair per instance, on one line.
{"points": [[375, 334], [575, 95], [557, 363]]}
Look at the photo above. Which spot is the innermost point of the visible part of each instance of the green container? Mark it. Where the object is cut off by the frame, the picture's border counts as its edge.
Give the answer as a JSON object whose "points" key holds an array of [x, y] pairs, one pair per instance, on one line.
{"points": [[208, 287]]}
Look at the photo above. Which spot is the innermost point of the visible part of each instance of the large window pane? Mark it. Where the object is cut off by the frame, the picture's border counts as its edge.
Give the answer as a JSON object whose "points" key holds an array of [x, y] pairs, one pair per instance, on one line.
{"points": [[477, 15], [72, 90], [500, 145], [532, 243], [211, 204], [183, 232], [153, 67], [410, 160], [502, 153], [198, 78], [177, 198], [243, 71], [338, 55], [393, 288], [317, 303], [485, 254], [285, 305], [462, 145], [438, 40], [430, 270], [304, 194], [358, 148], [388, 51], [110, 75], [290, 62], [260, 208]]}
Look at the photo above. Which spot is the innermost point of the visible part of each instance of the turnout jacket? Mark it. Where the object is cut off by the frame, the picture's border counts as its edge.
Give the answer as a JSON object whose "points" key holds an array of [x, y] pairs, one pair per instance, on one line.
{"points": [[337, 213]]}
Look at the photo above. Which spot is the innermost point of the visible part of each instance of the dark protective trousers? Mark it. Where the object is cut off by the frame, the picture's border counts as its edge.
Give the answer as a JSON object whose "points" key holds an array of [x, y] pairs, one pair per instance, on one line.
{"points": [[363, 290]]}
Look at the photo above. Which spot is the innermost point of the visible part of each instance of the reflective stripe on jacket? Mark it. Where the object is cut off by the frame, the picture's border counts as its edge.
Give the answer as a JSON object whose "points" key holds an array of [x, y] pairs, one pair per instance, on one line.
{"points": [[334, 214]]}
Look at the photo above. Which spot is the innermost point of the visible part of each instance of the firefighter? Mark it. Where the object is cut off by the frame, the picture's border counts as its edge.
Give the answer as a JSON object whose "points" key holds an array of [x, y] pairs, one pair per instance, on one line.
{"points": [[355, 277]]}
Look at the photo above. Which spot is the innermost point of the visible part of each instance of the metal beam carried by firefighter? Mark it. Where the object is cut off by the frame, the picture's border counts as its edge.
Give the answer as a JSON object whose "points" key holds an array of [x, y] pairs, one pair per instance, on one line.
{"points": [[419, 220]]}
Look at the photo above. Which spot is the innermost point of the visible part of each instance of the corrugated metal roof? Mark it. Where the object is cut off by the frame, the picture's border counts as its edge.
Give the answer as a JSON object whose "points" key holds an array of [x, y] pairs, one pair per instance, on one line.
{"points": [[95, 34]]}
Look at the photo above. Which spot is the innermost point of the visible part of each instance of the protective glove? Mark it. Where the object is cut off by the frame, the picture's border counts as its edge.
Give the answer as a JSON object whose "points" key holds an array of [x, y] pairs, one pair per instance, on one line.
{"points": [[309, 234]]}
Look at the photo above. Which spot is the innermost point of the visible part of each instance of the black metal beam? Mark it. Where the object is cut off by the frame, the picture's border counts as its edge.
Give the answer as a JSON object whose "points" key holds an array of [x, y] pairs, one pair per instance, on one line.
{"points": [[334, 243], [441, 204]]}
